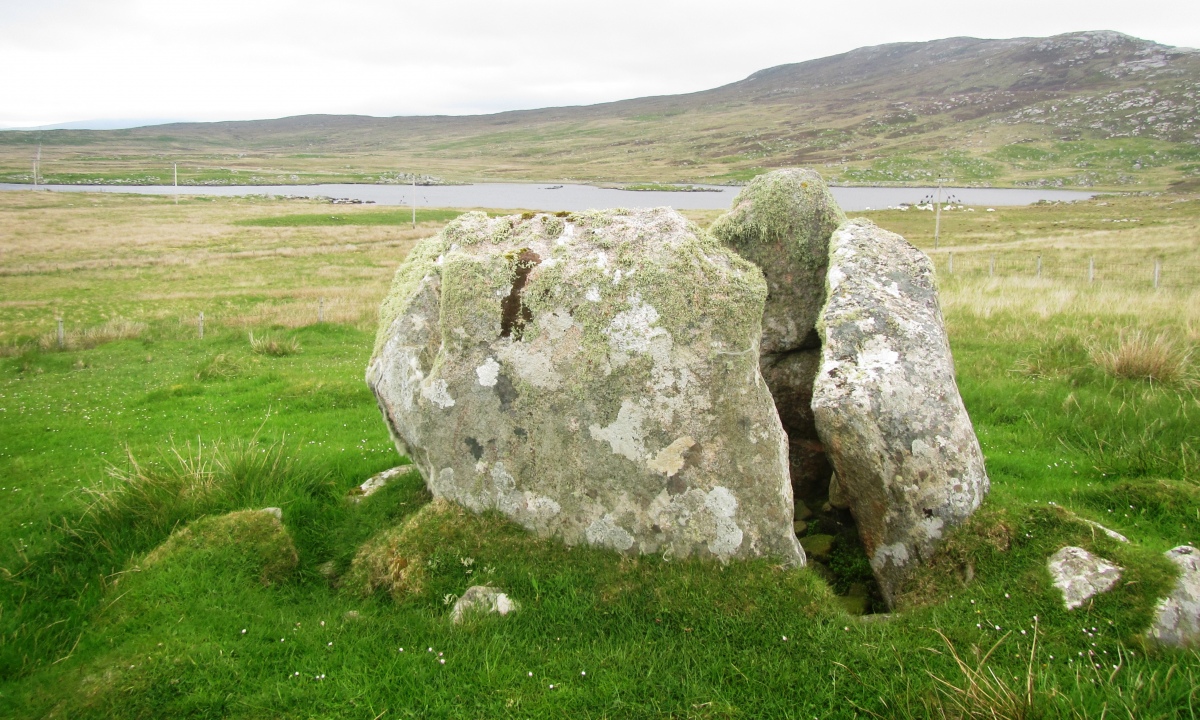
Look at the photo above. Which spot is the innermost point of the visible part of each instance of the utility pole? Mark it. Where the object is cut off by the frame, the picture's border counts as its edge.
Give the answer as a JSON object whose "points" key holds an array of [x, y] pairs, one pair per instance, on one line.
{"points": [[414, 201], [175, 166], [37, 165], [937, 214]]}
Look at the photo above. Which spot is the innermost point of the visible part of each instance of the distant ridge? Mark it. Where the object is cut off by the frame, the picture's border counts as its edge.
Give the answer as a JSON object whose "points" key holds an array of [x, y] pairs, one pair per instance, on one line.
{"points": [[103, 124], [1087, 109]]}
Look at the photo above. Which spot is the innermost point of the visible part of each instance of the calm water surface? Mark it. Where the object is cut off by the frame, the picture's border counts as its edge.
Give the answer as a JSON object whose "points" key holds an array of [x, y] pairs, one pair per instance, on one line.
{"points": [[550, 197]]}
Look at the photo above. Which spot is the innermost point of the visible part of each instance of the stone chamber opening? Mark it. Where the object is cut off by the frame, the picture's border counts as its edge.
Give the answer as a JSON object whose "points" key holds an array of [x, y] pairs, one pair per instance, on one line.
{"points": [[828, 534]]}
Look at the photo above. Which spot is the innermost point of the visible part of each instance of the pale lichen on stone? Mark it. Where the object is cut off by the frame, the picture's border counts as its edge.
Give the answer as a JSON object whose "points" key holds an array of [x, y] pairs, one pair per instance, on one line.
{"points": [[886, 404], [603, 382]]}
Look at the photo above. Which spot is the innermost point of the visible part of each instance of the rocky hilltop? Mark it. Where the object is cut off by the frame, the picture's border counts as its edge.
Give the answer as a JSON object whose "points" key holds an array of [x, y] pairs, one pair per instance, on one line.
{"points": [[1088, 109]]}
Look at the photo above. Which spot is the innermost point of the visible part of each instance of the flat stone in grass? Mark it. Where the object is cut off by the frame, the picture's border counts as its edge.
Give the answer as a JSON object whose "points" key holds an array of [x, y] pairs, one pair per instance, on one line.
{"points": [[1079, 575], [482, 600], [1177, 618], [886, 404], [594, 378]]}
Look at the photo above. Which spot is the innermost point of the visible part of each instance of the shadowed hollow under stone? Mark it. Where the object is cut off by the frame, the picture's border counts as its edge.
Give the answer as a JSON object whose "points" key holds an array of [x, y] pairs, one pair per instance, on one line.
{"points": [[594, 378]]}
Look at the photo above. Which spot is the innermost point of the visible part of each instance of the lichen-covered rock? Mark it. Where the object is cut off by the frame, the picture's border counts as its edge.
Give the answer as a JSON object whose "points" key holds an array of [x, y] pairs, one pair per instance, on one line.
{"points": [[482, 600], [781, 222], [886, 404], [1177, 618], [1079, 575], [593, 377]]}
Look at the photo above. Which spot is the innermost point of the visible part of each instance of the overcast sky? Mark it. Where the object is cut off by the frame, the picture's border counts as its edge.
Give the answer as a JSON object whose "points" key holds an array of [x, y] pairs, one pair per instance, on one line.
{"points": [[70, 60]]}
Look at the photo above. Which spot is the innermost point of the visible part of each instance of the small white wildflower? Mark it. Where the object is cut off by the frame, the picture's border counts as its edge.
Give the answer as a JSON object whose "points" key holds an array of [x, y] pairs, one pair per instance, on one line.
{"points": [[530, 674], [442, 660], [329, 645], [785, 638], [1006, 595], [243, 631], [584, 673]]}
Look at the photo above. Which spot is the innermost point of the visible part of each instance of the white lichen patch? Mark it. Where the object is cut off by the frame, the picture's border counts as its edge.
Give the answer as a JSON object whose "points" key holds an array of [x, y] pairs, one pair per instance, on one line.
{"points": [[605, 532], [669, 460], [533, 363], [625, 434], [631, 331], [438, 393], [721, 502], [488, 372]]}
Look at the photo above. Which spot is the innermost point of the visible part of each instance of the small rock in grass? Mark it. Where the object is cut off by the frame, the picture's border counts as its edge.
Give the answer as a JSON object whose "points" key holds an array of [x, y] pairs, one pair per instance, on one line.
{"points": [[482, 599], [277, 512], [1080, 575], [817, 546], [1177, 618], [376, 482]]}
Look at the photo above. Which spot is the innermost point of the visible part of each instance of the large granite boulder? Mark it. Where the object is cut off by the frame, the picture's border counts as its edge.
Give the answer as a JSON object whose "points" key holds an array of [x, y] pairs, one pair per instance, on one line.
{"points": [[593, 377], [1177, 617], [886, 404], [781, 222]]}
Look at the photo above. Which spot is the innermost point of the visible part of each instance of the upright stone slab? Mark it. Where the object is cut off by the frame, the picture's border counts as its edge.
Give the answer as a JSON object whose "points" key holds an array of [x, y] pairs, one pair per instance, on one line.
{"points": [[886, 404], [593, 377], [782, 222]]}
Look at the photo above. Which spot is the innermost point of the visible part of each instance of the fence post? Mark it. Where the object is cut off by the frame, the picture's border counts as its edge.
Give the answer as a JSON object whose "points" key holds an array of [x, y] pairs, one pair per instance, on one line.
{"points": [[951, 254], [1157, 272], [320, 310], [992, 266], [1091, 270], [60, 334], [202, 326], [1039, 266]]}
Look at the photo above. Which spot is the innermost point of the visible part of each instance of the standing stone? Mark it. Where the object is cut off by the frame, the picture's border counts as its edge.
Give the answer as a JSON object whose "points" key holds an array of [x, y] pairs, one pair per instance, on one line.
{"points": [[593, 377], [1080, 575], [782, 222], [1177, 618], [886, 404]]}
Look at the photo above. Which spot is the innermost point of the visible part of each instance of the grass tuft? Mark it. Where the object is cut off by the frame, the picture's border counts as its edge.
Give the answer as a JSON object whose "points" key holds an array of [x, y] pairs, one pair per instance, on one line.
{"points": [[1140, 356], [982, 694], [144, 502], [267, 345]]}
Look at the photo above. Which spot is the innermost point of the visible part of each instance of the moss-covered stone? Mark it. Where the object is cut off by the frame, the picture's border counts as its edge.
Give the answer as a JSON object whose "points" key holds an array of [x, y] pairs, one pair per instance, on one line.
{"points": [[251, 540], [781, 222], [594, 377]]}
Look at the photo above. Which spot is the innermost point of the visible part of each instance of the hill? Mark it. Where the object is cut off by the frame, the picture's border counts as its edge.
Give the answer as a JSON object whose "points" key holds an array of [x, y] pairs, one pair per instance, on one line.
{"points": [[1088, 109]]}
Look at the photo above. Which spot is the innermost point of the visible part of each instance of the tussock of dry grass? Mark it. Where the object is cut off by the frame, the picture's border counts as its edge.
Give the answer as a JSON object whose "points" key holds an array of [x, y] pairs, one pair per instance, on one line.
{"points": [[980, 693], [267, 345], [1138, 355]]}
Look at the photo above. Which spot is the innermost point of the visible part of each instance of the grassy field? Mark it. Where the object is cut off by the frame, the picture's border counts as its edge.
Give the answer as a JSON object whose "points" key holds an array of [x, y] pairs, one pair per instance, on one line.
{"points": [[128, 589]]}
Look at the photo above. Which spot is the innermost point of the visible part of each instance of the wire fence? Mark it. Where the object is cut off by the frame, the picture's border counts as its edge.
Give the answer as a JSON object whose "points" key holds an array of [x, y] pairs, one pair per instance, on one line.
{"points": [[1149, 273]]}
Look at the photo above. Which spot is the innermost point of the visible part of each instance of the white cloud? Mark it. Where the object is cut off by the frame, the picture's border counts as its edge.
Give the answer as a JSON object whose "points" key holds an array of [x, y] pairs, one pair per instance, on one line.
{"points": [[219, 59]]}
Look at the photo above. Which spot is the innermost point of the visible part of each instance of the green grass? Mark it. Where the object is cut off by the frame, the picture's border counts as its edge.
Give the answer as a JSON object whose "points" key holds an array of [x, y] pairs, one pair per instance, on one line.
{"points": [[337, 218], [161, 440]]}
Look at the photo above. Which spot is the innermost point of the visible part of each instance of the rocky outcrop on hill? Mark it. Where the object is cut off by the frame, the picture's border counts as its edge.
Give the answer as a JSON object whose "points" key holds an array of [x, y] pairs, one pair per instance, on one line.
{"points": [[594, 377], [886, 404]]}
